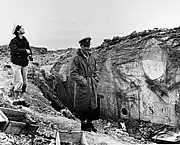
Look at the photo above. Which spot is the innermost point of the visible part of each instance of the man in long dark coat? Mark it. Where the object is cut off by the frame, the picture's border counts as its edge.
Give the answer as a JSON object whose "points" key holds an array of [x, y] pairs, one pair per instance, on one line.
{"points": [[85, 75]]}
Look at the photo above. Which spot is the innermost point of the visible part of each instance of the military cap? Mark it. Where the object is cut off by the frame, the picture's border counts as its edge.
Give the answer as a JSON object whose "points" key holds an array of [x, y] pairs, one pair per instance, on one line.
{"points": [[85, 41], [16, 28]]}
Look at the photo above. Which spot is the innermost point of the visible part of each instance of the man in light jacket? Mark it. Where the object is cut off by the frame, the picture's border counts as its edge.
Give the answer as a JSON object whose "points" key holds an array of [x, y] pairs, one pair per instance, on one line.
{"points": [[20, 55]]}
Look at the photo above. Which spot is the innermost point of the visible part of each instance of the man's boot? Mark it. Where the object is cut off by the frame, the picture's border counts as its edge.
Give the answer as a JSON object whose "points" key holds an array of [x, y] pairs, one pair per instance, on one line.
{"points": [[90, 125], [85, 127], [21, 102]]}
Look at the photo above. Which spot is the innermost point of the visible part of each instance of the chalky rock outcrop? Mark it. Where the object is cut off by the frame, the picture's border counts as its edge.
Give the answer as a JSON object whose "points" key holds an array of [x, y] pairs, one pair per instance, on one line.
{"points": [[140, 77]]}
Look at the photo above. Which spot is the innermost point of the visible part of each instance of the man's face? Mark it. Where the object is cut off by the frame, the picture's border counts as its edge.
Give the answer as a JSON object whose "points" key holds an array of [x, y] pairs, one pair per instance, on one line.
{"points": [[21, 31], [85, 49]]}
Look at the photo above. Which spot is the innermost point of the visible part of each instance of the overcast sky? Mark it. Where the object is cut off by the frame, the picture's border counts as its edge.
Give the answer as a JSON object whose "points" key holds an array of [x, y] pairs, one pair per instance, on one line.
{"points": [[61, 23]]}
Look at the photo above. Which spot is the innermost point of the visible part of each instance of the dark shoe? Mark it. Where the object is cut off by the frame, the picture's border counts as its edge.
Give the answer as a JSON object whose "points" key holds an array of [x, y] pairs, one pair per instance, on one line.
{"points": [[94, 129], [90, 125], [85, 127], [25, 104], [19, 102]]}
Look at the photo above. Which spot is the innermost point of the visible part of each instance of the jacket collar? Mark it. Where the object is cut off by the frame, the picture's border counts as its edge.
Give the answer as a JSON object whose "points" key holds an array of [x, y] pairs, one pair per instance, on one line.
{"points": [[80, 53], [23, 38]]}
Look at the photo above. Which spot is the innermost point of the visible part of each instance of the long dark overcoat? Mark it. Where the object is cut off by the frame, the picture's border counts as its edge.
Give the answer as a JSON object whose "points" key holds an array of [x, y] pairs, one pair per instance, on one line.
{"points": [[85, 75]]}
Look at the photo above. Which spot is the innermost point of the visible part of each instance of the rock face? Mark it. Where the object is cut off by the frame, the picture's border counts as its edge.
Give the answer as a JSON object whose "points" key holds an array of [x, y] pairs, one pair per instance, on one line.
{"points": [[139, 76]]}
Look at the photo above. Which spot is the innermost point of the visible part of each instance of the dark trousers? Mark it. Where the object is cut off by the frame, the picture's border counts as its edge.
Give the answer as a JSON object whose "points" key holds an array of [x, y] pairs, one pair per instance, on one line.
{"points": [[90, 114]]}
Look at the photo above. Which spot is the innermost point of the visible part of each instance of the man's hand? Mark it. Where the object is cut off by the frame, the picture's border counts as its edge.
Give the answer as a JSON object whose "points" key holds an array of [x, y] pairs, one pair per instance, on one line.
{"points": [[85, 83], [30, 58], [28, 51]]}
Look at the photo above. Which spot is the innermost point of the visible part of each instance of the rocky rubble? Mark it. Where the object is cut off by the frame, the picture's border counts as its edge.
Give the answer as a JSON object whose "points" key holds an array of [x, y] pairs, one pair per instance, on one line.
{"points": [[127, 65]]}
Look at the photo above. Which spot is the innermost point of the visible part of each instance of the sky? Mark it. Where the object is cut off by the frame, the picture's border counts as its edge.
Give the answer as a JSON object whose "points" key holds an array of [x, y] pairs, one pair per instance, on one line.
{"points": [[57, 24]]}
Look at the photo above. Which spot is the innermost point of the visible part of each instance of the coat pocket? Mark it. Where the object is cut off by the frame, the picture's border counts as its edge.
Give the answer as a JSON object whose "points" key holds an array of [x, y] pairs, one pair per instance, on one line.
{"points": [[82, 99], [82, 91]]}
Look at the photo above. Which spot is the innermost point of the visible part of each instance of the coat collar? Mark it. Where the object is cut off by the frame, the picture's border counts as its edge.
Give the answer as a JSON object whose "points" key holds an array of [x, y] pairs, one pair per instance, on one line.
{"points": [[80, 53], [23, 38]]}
